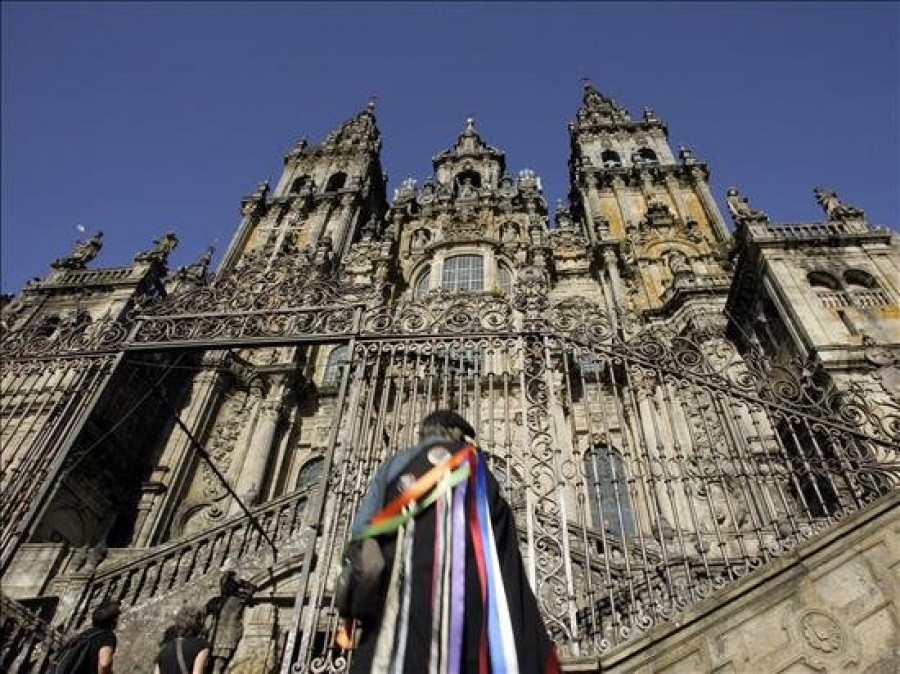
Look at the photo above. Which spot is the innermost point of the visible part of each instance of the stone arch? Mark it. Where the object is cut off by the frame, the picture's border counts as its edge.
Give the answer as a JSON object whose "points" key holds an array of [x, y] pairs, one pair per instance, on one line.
{"points": [[336, 182], [823, 280], [299, 183], [860, 278], [645, 155], [422, 283], [610, 159], [310, 471]]}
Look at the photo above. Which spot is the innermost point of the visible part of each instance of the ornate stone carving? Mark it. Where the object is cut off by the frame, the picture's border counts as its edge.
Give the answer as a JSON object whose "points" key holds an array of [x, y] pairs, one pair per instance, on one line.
{"points": [[196, 272], [821, 631], [257, 199], [84, 252], [530, 292], [740, 209], [834, 208], [160, 251], [462, 228]]}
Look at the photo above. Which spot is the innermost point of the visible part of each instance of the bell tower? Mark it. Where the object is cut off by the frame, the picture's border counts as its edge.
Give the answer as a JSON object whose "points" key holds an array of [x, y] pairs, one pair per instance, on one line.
{"points": [[326, 193], [661, 237], [470, 226]]}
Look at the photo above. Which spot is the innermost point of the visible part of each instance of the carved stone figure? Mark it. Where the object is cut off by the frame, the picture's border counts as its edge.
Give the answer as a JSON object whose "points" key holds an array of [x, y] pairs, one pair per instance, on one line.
{"points": [[467, 189], [196, 271], [224, 618], [510, 232], [369, 230], [686, 156], [740, 209], [563, 219], [678, 264], [322, 253], [160, 252], [84, 252], [833, 207], [420, 238]]}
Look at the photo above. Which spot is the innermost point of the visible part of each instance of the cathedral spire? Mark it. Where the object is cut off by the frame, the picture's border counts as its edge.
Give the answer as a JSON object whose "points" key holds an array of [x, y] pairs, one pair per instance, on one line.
{"points": [[599, 109], [470, 154], [358, 132]]}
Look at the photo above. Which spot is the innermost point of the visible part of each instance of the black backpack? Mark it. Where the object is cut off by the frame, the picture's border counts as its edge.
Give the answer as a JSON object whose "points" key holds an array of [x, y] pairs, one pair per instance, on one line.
{"points": [[75, 657]]}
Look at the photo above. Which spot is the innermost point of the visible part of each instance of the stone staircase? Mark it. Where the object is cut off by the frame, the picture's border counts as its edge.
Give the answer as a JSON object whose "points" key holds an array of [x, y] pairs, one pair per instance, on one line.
{"points": [[156, 572], [151, 583]]}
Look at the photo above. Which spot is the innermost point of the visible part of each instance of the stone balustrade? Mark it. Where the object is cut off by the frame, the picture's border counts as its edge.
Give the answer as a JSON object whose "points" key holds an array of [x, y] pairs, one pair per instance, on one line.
{"points": [[92, 277], [26, 641], [165, 568], [766, 232], [863, 299]]}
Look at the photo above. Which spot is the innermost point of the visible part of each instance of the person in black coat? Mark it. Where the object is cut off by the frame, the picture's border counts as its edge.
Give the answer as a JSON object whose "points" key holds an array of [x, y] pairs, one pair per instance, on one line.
{"points": [[433, 573]]}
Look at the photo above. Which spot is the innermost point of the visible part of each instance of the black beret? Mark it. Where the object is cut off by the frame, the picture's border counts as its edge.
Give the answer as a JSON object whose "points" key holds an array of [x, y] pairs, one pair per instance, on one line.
{"points": [[449, 419]]}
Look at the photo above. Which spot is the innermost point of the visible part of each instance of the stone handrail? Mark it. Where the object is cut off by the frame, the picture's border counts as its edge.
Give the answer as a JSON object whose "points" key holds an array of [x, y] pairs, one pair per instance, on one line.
{"points": [[164, 568], [81, 277], [875, 297], [26, 641], [765, 231]]}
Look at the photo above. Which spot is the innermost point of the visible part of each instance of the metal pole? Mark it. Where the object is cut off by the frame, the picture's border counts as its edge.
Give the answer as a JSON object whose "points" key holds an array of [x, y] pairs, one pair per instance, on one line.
{"points": [[212, 466]]}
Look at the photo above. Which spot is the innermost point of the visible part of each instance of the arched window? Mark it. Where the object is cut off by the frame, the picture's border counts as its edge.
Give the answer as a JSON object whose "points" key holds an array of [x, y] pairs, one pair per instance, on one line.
{"points": [[337, 361], [610, 159], [423, 284], [310, 472], [504, 279], [473, 177], [647, 156], [857, 279], [607, 488], [336, 182], [463, 272], [822, 280], [299, 184]]}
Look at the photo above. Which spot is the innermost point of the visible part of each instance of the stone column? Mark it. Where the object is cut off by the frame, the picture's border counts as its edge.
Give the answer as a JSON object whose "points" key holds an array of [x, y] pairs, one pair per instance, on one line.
{"points": [[709, 205], [344, 236], [251, 212], [243, 444], [675, 195], [321, 224], [588, 215], [628, 214], [615, 281], [655, 458], [491, 271], [259, 451], [170, 480]]}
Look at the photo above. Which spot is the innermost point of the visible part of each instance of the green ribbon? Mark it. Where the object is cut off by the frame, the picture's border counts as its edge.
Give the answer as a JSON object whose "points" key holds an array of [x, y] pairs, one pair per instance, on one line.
{"points": [[392, 524]]}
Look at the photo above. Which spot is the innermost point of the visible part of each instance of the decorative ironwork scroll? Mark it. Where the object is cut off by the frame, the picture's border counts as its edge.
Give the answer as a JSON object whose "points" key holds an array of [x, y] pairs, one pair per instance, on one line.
{"points": [[645, 471], [44, 404], [280, 299]]}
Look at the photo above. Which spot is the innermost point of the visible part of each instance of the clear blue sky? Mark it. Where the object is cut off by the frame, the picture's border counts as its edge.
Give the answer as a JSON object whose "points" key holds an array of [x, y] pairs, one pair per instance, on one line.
{"points": [[134, 118]]}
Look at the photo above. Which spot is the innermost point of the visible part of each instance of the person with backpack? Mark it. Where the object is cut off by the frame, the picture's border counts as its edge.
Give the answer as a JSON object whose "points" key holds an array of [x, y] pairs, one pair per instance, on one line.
{"points": [[92, 651], [184, 650], [432, 575]]}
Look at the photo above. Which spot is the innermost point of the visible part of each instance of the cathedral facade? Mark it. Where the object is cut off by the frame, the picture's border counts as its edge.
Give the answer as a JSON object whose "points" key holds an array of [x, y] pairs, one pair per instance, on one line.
{"points": [[675, 407]]}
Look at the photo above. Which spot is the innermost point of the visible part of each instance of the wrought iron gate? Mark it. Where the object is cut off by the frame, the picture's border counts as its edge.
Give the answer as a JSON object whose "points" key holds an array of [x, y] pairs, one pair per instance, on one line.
{"points": [[644, 474], [645, 469]]}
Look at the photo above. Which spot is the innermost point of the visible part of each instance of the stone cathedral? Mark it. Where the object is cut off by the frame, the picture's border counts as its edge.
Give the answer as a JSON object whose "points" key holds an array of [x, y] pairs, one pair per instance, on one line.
{"points": [[696, 420]]}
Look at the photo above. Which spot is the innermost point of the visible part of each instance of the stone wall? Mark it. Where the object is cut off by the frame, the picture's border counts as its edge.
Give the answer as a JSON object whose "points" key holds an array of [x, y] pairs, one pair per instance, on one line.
{"points": [[831, 605]]}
